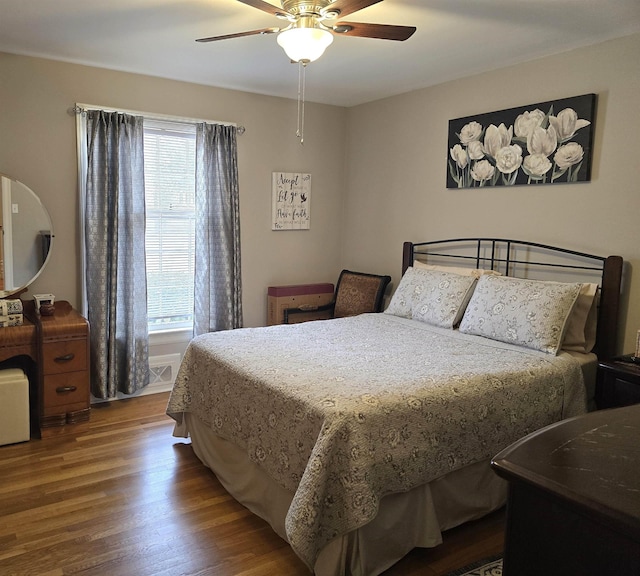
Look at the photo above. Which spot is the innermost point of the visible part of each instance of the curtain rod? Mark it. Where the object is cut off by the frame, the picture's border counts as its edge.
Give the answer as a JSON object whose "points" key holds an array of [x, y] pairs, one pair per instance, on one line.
{"points": [[79, 108]]}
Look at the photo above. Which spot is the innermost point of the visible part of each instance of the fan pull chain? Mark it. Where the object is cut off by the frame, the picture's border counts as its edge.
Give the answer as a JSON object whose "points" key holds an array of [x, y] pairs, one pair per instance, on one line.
{"points": [[302, 70]]}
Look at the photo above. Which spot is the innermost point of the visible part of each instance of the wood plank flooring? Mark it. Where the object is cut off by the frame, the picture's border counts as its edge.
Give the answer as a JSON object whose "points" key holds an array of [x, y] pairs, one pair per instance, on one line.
{"points": [[125, 498]]}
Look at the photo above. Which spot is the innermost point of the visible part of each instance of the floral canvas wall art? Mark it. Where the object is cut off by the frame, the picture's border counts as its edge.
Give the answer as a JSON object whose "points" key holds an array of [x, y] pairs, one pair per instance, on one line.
{"points": [[544, 143]]}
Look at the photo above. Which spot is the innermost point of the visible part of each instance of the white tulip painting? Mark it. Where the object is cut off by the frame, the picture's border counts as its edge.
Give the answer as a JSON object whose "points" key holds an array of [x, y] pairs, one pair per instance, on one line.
{"points": [[545, 143]]}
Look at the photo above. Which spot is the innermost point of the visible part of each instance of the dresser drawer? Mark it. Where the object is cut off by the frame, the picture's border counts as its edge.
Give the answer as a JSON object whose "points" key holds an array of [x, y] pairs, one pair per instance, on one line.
{"points": [[65, 356], [66, 390]]}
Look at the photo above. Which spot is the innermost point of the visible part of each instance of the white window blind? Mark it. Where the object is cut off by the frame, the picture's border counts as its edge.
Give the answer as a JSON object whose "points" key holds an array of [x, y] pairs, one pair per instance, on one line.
{"points": [[169, 173]]}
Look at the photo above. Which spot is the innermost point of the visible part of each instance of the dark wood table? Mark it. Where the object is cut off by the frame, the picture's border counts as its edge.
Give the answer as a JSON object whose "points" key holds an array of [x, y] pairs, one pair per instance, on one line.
{"points": [[574, 497]]}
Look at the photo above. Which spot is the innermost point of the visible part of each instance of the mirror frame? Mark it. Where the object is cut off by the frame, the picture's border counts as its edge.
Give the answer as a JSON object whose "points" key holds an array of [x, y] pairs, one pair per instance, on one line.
{"points": [[14, 292]]}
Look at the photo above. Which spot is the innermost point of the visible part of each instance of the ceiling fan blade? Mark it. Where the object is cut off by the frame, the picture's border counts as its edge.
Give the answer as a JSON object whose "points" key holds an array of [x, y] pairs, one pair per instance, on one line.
{"points": [[265, 7], [345, 7], [239, 34], [381, 31]]}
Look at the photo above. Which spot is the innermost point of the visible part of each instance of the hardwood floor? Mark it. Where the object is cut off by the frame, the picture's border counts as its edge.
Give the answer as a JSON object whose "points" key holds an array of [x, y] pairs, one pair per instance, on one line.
{"points": [[126, 498]]}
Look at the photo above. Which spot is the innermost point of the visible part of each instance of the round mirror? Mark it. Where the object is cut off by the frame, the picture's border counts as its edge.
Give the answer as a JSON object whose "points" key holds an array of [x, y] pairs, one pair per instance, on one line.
{"points": [[27, 236]]}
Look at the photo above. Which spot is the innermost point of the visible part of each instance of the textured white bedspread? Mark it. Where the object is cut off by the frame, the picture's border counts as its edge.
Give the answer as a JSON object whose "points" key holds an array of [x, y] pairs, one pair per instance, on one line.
{"points": [[342, 412]]}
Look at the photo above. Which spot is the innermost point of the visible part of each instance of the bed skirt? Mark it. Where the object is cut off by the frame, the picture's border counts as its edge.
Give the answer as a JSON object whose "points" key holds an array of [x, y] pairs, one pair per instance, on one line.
{"points": [[405, 521]]}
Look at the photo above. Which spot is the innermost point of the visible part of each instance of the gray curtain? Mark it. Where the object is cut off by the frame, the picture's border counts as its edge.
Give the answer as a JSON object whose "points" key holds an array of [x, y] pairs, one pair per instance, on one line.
{"points": [[218, 287], [116, 282]]}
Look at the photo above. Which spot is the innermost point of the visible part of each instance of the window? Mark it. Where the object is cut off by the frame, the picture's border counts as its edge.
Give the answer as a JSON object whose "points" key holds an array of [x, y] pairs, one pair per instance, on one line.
{"points": [[169, 175]]}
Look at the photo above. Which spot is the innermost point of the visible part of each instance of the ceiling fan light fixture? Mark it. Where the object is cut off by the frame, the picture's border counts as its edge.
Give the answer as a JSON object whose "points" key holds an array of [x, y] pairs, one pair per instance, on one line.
{"points": [[304, 44]]}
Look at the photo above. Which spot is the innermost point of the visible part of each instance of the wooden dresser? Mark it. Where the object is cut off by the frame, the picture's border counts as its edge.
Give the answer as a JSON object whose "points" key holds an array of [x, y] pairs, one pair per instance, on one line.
{"points": [[574, 497], [64, 369], [54, 353]]}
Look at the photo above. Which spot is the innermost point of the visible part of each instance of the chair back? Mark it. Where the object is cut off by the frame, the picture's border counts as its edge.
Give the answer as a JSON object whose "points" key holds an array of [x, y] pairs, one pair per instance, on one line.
{"points": [[358, 293]]}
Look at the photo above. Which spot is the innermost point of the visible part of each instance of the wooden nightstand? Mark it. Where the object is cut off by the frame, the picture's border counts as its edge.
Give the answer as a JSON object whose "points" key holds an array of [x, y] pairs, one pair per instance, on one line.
{"points": [[618, 383]]}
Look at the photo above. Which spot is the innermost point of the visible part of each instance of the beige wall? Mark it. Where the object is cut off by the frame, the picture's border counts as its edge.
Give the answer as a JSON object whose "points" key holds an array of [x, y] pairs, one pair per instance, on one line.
{"points": [[397, 152], [38, 147], [391, 187]]}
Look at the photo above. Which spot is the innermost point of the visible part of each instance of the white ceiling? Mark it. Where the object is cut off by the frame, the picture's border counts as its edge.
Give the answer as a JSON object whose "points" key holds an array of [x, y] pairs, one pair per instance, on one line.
{"points": [[455, 38]]}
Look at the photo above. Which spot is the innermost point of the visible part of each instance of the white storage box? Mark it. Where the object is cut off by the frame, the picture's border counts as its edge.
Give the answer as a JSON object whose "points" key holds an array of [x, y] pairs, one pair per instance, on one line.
{"points": [[14, 406]]}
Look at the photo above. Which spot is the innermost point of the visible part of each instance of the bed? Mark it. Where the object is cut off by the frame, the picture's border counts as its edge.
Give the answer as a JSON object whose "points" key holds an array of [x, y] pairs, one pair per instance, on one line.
{"points": [[361, 438]]}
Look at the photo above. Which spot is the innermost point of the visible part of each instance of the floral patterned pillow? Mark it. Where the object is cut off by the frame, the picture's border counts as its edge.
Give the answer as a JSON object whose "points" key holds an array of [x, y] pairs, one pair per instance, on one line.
{"points": [[432, 296], [529, 313], [444, 299]]}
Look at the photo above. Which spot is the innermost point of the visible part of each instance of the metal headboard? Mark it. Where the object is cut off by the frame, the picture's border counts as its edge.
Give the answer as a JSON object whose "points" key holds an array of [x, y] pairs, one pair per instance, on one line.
{"points": [[518, 257]]}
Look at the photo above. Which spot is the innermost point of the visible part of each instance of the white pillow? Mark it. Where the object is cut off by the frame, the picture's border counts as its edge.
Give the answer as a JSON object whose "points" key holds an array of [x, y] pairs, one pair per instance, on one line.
{"points": [[580, 335], [529, 313], [443, 299], [476, 272], [417, 285]]}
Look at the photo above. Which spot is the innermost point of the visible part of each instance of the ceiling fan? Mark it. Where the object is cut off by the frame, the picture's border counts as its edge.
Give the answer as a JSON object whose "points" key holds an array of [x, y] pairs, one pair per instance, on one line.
{"points": [[309, 30]]}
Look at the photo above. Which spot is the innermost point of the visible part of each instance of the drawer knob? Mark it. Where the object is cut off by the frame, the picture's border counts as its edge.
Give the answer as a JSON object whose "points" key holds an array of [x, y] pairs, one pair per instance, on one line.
{"points": [[65, 358], [63, 389]]}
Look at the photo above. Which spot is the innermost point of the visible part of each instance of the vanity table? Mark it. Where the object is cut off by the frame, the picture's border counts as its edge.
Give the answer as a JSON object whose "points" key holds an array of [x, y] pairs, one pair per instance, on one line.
{"points": [[54, 352]]}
